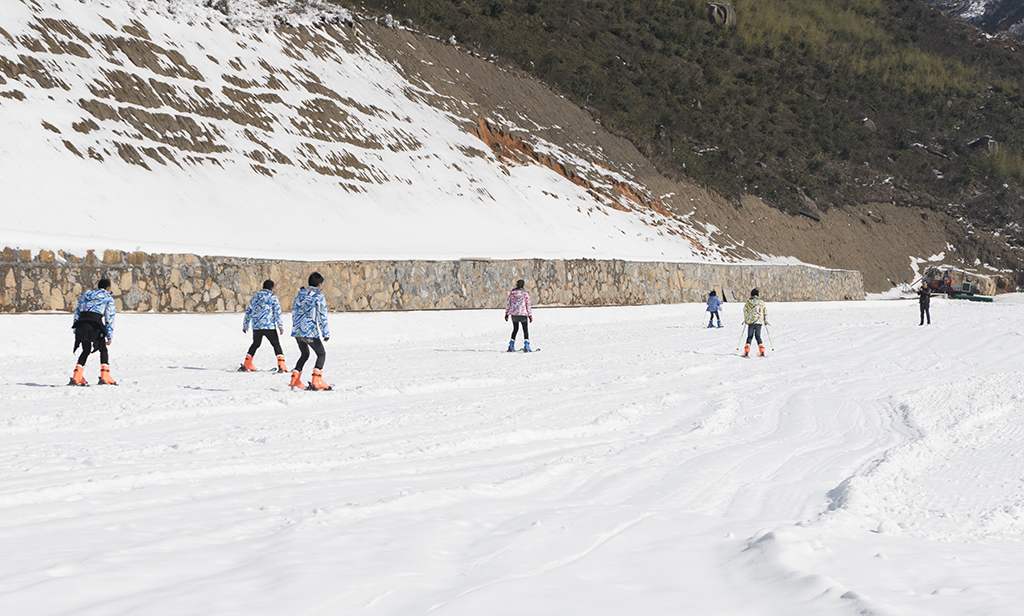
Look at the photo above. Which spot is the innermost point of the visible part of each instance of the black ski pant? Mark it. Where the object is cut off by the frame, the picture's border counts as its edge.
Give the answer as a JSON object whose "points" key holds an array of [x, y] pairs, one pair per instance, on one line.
{"points": [[713, 316], [516, 322], [310, 343], [925, 313], [87, 348], [754, 331], [92, 337], [270, 334]]}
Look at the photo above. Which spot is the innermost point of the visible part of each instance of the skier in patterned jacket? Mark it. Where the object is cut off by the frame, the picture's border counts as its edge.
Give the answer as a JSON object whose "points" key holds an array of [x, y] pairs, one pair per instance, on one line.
{"points": [[264, 312], [94, 331], [309, 324], [755, 314], [518, 307]]}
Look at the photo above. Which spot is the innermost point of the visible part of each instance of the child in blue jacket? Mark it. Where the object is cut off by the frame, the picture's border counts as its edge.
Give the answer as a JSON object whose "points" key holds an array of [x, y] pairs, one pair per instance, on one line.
{"points": [[309, 324], [94, 330], [714, 305], [264, 312]]}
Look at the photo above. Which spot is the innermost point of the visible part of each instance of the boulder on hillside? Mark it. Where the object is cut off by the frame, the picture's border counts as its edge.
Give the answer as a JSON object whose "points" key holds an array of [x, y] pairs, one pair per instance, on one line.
{"points": [[985, 143], [722, 14]]}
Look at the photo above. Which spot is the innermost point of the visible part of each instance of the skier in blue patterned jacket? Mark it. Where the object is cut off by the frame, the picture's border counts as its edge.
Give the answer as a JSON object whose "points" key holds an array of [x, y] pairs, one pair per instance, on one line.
{"points": [[264, 312], [714, 305], [94, 330], [309, 325]]}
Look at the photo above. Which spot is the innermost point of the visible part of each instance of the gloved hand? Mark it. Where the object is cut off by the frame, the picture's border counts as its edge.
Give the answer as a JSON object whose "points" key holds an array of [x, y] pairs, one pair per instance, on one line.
{"points": [[506, 317], [245, 330], [531, 318]]}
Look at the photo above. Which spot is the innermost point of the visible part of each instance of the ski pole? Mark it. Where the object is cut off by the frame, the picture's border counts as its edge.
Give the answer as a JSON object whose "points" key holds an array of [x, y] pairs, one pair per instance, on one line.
{"points": [[769, 334], [743, 330]]}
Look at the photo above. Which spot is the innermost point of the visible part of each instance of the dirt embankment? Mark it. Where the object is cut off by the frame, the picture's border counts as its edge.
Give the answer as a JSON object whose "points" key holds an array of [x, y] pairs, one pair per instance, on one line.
{"points": [[878, 239]]}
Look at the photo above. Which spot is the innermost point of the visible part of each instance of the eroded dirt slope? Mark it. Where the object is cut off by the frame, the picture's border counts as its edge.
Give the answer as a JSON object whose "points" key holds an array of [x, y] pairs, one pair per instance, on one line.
{"points": [[879, 239]]}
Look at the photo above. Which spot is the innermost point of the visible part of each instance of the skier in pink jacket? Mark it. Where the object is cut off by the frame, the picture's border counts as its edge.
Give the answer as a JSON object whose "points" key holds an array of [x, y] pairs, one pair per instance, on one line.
{"points": [[518, 307]]}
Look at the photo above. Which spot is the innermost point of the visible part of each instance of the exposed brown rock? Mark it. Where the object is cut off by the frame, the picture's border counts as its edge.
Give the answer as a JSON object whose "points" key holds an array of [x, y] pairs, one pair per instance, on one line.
{"points": [[71, 148], [66, 31], [32, 68], [85, 126], [145, 54]]}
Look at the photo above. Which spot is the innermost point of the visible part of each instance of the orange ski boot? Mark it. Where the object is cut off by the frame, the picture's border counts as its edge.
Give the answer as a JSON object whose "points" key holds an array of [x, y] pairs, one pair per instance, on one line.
{"points": [[760, 348], [318, 381], [746, 351], [105, 378], [296, 380], [247, 365], [77, 378], [281, 367]]}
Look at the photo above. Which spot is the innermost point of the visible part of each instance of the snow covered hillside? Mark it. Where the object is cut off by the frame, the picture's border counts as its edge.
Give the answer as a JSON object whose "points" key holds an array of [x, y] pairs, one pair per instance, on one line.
{"points": [[636, 465], [297, 132]]}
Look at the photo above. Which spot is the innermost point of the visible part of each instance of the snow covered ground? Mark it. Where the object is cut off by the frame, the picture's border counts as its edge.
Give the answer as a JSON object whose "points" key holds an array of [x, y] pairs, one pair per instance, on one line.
{"points": [[636, 465]]}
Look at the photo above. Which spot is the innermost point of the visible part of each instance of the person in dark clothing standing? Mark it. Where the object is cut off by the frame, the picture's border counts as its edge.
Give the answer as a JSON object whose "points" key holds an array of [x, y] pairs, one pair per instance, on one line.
{"points": [[924, 298], [94, 330]]}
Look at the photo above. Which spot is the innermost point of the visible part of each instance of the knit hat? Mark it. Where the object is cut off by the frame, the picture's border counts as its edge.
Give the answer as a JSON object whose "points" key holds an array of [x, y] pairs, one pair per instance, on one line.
{"points": [[755, 293]]}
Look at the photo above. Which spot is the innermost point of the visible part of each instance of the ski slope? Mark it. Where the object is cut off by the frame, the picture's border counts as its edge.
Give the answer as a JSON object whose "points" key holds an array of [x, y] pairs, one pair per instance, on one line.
{"points": [[637, 465]]}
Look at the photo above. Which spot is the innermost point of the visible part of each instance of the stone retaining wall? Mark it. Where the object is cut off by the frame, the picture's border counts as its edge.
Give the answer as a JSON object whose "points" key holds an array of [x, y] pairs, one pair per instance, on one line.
{"points": [[190, 283]]}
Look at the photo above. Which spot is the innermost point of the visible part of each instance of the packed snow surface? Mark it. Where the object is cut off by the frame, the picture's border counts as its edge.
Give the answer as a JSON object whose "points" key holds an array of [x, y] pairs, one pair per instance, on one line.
{"points": [[635, 465]]}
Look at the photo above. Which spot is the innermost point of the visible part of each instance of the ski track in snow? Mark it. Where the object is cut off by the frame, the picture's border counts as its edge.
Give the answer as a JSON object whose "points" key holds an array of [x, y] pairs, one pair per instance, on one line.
{"points": [[637, 465]]}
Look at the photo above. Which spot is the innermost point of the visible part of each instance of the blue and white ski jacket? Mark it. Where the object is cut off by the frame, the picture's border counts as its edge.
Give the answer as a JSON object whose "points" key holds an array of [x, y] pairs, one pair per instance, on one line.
{"points": [[714, 304], [101, 302], [309, 314], [264, 311]]}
